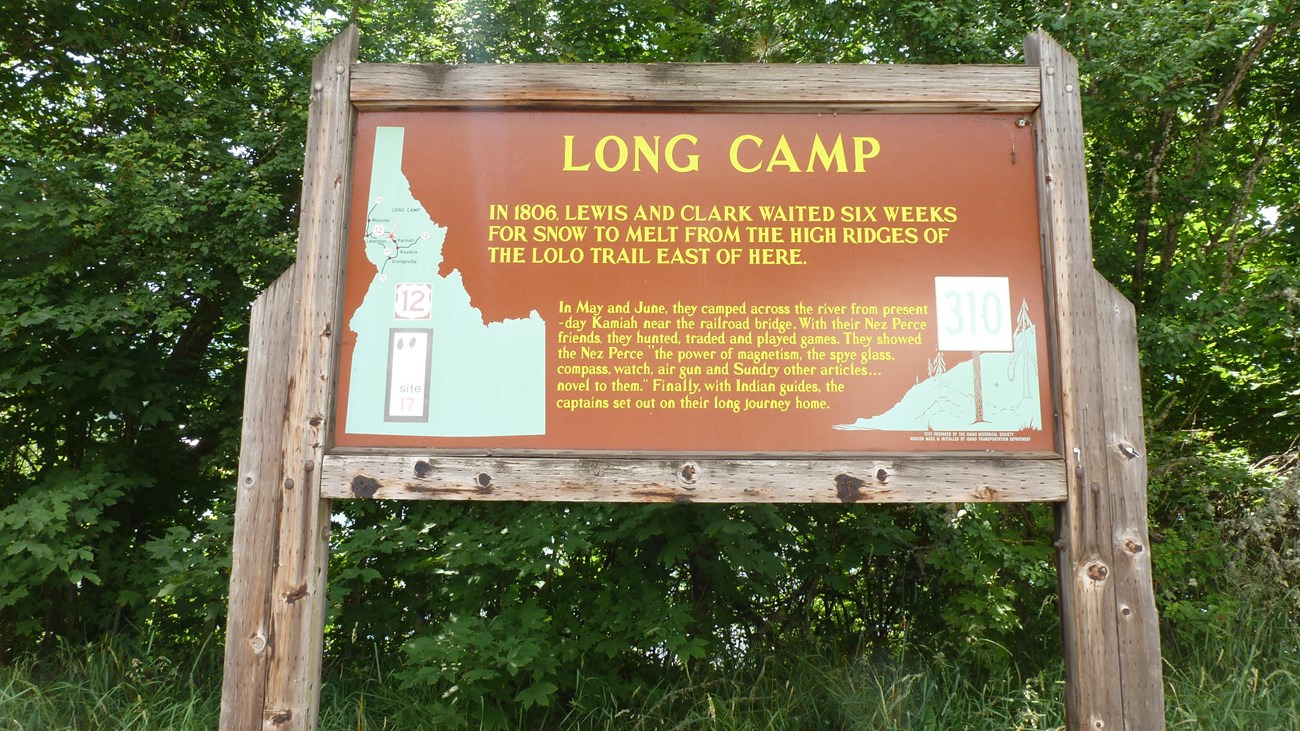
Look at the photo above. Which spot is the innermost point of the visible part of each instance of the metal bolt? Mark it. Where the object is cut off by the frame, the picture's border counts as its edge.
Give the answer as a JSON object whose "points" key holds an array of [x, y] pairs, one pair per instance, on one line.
{"points": [[318, 86]]}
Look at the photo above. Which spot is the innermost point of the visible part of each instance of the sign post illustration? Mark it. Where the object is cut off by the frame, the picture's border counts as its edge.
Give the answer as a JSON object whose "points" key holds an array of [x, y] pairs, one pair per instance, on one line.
{"points": [[691, 283], [974, 314]]}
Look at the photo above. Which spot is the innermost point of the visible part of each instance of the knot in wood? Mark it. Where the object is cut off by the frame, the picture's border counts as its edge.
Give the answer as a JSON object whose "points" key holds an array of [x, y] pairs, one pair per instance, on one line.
{"points": [[422, 469], [258, 642], [1097, 571], [848, 488], [687, 473], [364, 487], [882, 475], [484, 481], [1133, 547]]}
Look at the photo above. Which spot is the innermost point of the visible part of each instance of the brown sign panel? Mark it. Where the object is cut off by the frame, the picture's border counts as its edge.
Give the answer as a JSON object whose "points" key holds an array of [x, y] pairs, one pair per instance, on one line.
{"points": [[732, 283]]}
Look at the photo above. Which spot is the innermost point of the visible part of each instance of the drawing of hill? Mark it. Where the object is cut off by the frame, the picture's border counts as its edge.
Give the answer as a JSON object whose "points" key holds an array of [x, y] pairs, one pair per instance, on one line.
{"points": [[946, 400]]}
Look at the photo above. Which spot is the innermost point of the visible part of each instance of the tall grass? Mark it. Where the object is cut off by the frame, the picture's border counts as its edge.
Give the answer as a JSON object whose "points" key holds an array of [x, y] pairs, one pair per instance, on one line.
{"points": [[1247, 678], [804, 693], [104, 687]]}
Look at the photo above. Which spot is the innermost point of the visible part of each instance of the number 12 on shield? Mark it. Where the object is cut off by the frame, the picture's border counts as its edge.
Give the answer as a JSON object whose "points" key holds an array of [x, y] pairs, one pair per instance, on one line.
{"points": [[973, 313]]}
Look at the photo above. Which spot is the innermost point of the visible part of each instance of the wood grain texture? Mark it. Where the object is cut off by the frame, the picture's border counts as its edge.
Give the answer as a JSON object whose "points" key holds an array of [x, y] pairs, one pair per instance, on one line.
{"points": [[1087, 521], [700, 87], [1138, 623], [248, 620], [1093, 696], [690, 480], [297, 584]]}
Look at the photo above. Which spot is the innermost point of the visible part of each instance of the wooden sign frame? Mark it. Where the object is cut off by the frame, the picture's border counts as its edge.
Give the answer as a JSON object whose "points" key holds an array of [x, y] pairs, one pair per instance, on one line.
{"points": [[288, 473]]}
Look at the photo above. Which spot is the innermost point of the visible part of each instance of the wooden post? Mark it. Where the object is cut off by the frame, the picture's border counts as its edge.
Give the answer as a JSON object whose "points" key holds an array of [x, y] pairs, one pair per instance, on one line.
{"points": [[248, 619], [1108, 620], [275, 625]]}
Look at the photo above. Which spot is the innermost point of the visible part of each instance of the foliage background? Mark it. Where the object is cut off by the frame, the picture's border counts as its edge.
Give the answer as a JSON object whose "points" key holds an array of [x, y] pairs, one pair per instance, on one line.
{"points": [[150, 162]]}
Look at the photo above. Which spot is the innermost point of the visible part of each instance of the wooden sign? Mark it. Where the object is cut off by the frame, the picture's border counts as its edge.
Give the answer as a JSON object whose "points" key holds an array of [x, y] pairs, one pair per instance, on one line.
{"points": [[693, 283]]}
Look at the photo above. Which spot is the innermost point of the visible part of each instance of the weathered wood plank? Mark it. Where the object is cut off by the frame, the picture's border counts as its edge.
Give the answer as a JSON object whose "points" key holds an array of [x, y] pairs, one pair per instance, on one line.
{"points": [[1094, 694], [887, 479], [1138, 624], [298, 590], [734, 87], [248, 620]]}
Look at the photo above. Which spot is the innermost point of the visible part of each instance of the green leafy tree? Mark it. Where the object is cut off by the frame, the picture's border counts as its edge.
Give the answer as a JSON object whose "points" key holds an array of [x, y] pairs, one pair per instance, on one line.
{"points": [[1193, 178], [149, 162]]}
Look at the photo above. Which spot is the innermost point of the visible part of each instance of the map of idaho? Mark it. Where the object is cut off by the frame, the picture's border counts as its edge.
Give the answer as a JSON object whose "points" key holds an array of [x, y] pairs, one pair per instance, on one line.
{"points": [[425, 363]]}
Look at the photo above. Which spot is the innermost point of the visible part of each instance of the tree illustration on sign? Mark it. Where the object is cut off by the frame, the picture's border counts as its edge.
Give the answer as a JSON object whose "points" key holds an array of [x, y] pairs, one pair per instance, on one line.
{"points": [[973, 315]]}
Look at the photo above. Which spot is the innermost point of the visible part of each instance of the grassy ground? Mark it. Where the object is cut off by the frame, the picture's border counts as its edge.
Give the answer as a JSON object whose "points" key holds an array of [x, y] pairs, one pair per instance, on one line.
{"points": [[1250, 680]]}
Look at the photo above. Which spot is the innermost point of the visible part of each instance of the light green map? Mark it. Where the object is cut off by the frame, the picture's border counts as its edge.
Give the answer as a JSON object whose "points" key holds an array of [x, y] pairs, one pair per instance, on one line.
{"points": [[425, 362]]}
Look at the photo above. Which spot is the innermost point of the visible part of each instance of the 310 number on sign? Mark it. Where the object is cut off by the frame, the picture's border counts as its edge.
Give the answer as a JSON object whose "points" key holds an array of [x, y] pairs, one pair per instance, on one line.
{"points": [[974, 313]]}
